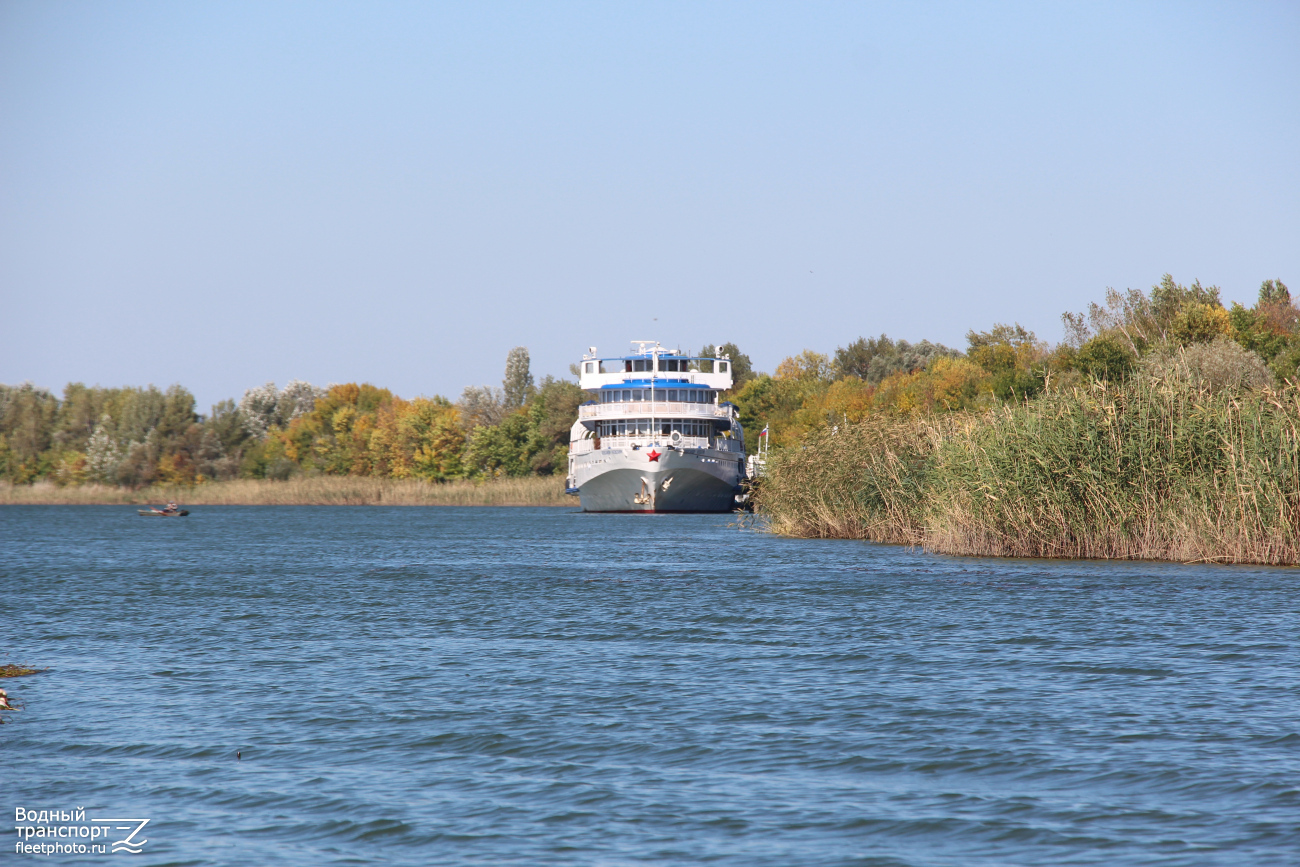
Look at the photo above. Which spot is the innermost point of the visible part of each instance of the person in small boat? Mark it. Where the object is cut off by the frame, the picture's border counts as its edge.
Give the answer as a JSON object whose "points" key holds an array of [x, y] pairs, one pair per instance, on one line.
{"points": [[170, 509]]}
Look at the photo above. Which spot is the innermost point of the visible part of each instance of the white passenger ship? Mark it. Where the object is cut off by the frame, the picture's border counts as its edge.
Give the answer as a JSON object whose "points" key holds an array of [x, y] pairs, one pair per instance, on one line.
{"points": [[655, 438]]}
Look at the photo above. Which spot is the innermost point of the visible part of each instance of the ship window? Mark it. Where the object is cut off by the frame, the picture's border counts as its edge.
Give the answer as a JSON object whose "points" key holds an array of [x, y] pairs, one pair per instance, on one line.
{"points": [[627, 366], [626, 395], [639, 364], [591, 367], [722, 367]]}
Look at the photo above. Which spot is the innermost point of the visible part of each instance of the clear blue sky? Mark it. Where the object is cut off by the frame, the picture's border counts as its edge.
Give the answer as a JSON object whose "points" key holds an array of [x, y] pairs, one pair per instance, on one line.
{"points": [[223, 194]]}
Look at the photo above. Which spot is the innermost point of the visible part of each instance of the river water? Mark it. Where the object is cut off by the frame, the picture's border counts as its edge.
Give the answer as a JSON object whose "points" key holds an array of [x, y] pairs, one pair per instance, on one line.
{"points": [[538, 686]]}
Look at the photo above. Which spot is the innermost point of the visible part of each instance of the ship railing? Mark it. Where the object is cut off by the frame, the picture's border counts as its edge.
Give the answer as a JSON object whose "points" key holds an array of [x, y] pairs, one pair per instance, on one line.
{"points": [[646, 408], [586, 446]]}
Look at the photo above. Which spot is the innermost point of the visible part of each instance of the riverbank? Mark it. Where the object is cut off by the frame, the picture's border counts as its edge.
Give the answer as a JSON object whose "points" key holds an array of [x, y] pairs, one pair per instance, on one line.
{"points": [[1152, 470], [315, 491]]}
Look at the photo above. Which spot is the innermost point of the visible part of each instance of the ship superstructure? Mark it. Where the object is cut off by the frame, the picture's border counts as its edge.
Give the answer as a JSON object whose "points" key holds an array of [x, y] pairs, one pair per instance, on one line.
{"points": [[655, 436]]}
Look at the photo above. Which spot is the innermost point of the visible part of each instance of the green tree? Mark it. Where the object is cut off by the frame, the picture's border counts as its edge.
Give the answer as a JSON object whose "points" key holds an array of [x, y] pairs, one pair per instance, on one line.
{"points": [[1105, 357], [500, 450], [552, 413], [27, 415], [855, 359], [517, 386]]}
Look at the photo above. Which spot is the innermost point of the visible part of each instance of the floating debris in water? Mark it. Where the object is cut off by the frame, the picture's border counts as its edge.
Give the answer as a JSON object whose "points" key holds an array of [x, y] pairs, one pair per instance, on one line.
{"points": [[19, 670]]}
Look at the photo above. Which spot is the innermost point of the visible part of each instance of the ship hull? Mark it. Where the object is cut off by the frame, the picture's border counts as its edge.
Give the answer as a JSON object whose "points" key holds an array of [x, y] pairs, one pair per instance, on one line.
{"points": [[626, 480]]}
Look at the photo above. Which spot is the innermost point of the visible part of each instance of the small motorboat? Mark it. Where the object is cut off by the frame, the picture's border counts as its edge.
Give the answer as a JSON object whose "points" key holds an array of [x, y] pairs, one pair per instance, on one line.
{"points": [[169, 512]]}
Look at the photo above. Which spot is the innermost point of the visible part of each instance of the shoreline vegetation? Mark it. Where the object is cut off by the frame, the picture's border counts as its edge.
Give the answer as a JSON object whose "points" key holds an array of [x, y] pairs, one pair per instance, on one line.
{"points": [[1163, 426], [1151, 470], [303, 491]]}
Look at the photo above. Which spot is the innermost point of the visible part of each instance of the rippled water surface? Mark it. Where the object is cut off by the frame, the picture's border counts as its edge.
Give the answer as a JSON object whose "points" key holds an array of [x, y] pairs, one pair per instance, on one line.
{"points": [[538, 686]]}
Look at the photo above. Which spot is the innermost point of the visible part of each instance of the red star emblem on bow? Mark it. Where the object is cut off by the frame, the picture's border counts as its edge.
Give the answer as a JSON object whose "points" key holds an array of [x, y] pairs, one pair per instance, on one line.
{"points": [[653, 456]]}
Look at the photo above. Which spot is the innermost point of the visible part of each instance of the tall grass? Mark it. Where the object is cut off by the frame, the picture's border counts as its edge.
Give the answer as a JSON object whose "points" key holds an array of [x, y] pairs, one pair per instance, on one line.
{"points": [[1156, 469], [314, 491]]}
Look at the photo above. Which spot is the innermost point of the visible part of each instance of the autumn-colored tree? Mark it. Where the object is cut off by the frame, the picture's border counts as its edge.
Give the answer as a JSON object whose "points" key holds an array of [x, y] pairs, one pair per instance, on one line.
{"points": [[1270, 329], [1012, 356], [946, 385], [334, 437], [417, 439]]}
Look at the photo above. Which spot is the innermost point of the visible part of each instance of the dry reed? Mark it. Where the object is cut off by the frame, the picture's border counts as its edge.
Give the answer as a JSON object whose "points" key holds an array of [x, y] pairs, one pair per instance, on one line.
{"points": [[313, 491], [1150, 470]]}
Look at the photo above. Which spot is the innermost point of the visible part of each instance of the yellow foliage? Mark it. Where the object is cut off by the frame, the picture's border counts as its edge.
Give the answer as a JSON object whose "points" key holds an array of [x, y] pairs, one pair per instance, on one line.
{"points": [[946, 385], [1201, 323], [805, 365], [952, 384], [417, 439], [175, 469], [897, 393], [847, 399], [72, 469]]}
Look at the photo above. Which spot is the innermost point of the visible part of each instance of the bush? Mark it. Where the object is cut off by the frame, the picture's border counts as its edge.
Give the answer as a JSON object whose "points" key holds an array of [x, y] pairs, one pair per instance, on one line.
{"points": [[1220, 365]]}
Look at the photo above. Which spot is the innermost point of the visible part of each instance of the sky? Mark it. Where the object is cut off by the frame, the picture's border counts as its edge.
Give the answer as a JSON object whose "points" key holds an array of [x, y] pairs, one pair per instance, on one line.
{"points": [[225, 194]]}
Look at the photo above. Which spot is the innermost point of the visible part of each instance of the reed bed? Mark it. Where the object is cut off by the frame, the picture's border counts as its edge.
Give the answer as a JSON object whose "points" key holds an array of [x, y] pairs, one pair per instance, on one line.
{"points": [[312, 491], [1154, 469]]}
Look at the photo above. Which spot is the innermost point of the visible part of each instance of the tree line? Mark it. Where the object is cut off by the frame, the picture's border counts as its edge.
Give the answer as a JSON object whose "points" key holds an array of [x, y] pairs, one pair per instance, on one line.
{"points": [[137, 436], [1133, 332]]}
